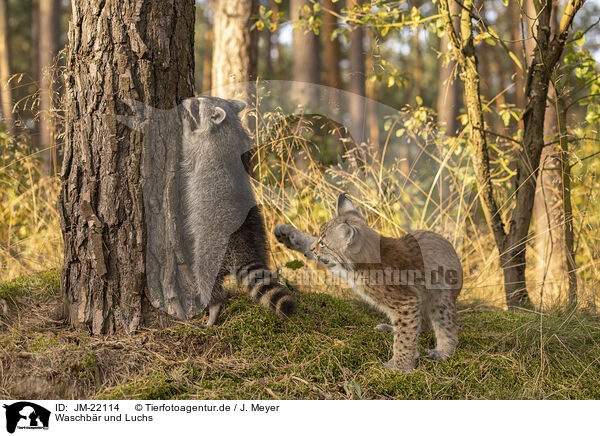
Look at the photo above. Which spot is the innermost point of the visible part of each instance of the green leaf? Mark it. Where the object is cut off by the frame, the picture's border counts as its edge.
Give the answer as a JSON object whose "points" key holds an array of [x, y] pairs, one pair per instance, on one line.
{"points": [[294, 264]]}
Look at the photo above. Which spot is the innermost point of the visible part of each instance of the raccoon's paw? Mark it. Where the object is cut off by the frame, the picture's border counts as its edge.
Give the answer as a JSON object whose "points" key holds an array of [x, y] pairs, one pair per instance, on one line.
{"points": [[294, 239], [390, 364], [436, 354], [386, 328]]}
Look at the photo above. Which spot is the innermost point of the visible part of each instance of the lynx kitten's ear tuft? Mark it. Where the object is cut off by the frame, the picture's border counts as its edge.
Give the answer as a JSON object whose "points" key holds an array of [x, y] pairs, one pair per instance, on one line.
{"points": [[218, 115], [344, 205], [238, 105]]}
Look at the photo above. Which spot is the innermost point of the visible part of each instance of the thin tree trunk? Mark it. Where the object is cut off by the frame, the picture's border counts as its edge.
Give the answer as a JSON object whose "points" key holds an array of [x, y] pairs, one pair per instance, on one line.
{"points": [[448, 86], [268, 58], [234, 58], [305, 58], [5, 90], [418, 73], [372, 104], [331, 47], [552, 270], [207, 61], [517, 37], [332, 75], [356, 84], [49, 39], [568, 237], [103, 280], [35, 66]]}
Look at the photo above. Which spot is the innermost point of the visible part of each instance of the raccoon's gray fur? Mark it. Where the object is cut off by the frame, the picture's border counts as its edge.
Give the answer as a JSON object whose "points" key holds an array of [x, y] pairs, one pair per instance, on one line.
{"points": [[223, 222]]}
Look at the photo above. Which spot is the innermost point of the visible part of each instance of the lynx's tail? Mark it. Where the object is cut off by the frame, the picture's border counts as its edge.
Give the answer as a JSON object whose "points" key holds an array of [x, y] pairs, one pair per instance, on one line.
{"points": [[265, 288]]}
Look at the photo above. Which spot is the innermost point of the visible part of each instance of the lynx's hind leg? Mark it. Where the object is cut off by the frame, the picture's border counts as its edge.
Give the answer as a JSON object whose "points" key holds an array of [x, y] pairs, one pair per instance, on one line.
{"points": [[443, 320]]}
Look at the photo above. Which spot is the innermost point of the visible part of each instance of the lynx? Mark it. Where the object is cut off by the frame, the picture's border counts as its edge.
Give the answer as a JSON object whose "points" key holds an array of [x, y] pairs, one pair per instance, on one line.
{"points": [[414, 280]]}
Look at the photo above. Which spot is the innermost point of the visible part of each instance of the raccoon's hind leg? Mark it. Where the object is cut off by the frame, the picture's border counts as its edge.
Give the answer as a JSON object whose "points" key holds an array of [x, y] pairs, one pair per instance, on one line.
{"points": [[217, 300]]}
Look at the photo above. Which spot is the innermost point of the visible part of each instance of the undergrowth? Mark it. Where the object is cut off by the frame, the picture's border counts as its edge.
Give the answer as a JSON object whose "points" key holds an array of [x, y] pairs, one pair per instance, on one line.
{"points": [[328, 350]]}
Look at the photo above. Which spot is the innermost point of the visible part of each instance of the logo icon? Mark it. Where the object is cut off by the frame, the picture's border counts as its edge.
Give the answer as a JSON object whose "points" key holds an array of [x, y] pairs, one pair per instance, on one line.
{"points": [[26, 415]]}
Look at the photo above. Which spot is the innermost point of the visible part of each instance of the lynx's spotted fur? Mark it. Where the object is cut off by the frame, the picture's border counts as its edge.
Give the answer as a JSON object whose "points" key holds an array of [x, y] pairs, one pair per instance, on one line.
{"points": [[414, 280]]}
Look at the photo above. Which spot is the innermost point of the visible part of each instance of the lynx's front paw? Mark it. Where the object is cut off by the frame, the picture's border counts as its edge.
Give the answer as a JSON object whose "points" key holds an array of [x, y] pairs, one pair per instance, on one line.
{"points": [[390, 364], [294, 239]]}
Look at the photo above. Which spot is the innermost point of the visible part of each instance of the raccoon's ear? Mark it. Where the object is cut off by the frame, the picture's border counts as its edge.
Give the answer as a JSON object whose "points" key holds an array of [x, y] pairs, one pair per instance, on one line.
{"points": [[344, 205], [217, 115], [238, 105]]}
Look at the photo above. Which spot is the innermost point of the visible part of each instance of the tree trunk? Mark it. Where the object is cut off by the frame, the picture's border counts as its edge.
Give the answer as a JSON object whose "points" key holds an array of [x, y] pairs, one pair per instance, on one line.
{"points": [[331, 47], [512, 244], [372, 104], [305, 58], [203, 45], [418, 73], [331, 55], [49, 40], [5, 90], [138, 50], [234, 58], [448, 86], [517, 47], [568, 236], [356, 85]]}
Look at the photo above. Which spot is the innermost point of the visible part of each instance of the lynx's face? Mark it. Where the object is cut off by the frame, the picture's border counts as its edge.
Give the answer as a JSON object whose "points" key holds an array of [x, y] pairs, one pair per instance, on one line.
{"points": [[347, 239]]}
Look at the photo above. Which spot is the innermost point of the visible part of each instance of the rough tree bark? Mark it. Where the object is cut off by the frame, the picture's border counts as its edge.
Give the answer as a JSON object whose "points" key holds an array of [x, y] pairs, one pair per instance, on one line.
{"points": [[511, 241], [118, 50], [49, 40], [5, 91], [234, 58]]}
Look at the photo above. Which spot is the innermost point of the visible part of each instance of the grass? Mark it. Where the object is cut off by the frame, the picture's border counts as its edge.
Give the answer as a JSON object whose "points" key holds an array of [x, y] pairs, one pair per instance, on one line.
{"points": [[328, 350]]}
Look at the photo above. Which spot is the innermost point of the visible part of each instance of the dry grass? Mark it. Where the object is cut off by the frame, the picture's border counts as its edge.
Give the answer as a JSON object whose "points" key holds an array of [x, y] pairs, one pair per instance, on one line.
{"points": [[329, 350]]}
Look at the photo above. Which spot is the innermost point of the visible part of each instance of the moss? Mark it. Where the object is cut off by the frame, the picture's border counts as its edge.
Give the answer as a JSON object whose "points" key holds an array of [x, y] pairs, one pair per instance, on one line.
{"points": [[42, 285], [40, 343], [328, 349]]}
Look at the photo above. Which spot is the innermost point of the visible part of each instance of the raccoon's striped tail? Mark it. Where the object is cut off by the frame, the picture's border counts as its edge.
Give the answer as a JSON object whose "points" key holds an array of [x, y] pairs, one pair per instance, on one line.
{"points": [[265, 288]]}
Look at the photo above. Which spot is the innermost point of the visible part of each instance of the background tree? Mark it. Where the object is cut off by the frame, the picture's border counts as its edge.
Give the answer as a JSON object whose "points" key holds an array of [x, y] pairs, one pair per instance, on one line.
{"points": [[102, 212], [511, 242], [49, 40], [356, 78], [306, 67], [5, 90], [447, 105], [234, 55]]}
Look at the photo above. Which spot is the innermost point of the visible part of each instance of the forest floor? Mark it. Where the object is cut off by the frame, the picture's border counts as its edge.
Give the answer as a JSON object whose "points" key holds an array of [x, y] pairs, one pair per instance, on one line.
{"points": [[328, 350]]}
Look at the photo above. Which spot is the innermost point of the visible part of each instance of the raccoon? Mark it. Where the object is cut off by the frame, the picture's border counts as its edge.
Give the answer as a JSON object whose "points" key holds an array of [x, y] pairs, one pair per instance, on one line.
{"points": [[224, 224]]}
